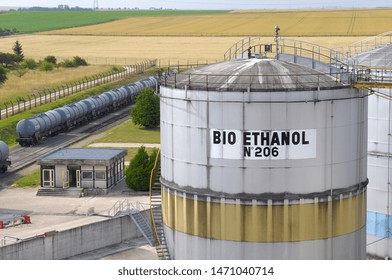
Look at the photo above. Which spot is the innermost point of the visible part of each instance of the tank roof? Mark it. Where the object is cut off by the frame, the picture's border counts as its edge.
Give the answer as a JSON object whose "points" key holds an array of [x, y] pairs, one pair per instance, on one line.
{"points": [[380, 57], [253, 75]]}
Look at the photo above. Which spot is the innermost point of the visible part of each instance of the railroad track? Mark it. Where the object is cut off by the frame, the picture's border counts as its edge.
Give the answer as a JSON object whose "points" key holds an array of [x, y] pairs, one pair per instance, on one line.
{"points": [[23, 157]]}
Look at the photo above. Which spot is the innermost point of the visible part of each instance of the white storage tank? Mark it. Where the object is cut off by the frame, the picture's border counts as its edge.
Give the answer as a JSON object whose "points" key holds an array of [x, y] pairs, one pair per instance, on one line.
{"points": [[379, 210], [263, 159]]}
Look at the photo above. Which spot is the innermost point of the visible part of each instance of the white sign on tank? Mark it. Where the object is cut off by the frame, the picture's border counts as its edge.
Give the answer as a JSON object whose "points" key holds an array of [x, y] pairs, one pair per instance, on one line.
{"points": [[263, 144]]}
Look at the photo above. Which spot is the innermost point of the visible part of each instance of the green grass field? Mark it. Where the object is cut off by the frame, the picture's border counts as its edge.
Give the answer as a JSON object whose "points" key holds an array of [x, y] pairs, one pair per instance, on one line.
{"points": [[130, 133], [36, 21]]}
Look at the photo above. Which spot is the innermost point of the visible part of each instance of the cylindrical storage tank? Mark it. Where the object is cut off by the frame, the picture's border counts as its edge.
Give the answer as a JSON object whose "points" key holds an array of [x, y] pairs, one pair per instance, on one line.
{"points": [[75, 110], [105, 100], [263, 159], [379, 209], [111, 96], [90, 104], [4, 152], [64, 113], [126, 91], [44, 122], [81, 109], [26, 128], [55, 118]]}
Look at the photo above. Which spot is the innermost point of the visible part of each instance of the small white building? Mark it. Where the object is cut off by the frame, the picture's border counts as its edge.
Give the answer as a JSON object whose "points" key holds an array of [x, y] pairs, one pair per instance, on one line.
{"points": [[82, 168]]}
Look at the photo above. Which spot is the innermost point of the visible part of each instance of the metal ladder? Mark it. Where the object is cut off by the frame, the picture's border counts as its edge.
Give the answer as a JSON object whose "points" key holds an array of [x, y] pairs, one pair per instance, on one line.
{"points": [[156, 211]]}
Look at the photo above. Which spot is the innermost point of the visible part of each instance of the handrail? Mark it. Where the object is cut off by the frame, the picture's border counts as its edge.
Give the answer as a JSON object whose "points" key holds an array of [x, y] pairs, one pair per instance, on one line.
{"points": [[297, 47], [125, 205], [250, 82], [152, 181], [370, 43]]}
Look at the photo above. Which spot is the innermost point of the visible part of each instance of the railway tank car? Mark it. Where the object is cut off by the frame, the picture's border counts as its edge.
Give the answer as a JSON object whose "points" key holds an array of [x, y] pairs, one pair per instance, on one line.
{"points": [[4, 154], [32, 130]]}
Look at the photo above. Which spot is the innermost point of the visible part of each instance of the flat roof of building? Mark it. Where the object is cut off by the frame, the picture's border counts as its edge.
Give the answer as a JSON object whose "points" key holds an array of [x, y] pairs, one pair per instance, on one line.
{"points": [[82, 154]]}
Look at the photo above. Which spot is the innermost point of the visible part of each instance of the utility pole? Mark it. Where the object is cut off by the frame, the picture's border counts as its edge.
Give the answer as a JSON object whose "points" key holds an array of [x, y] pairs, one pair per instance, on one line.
{"points": [[95, 5]]}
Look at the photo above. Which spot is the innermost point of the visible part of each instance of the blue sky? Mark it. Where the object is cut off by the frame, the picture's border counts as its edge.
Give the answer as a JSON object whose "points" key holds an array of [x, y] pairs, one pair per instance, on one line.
{"points": [[204, 4]]}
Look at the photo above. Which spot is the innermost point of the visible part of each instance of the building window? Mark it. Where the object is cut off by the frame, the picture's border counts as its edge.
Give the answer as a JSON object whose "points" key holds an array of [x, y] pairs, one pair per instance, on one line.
{"points": [[100, 175], [87, 175]]}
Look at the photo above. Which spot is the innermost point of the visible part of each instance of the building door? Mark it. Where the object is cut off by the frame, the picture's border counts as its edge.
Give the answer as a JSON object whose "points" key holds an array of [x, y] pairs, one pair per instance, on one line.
{"points": [[48, 178], [74, 176], [66, 179]]}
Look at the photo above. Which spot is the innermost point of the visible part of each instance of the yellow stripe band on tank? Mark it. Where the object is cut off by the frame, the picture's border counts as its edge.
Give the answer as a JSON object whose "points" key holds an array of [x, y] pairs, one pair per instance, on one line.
{"points": [[263, 223]]}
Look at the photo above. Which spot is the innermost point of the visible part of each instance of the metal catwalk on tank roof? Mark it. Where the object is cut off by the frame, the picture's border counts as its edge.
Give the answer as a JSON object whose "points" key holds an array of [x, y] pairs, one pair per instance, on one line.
{"points": [[253, 75]]}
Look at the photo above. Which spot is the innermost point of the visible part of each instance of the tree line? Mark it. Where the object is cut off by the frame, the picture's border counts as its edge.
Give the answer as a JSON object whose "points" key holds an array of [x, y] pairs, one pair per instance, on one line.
{"points": [[7, 32]]}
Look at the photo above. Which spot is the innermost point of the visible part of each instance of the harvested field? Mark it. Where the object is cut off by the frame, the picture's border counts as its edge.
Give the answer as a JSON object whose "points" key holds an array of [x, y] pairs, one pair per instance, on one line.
{"points": [[128, 50], [35, 80], [355, 22]]}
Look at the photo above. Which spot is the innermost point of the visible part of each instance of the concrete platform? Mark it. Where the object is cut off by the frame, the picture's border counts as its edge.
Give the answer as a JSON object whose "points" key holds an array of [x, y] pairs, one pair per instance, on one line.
{"points": [[61, 213]]}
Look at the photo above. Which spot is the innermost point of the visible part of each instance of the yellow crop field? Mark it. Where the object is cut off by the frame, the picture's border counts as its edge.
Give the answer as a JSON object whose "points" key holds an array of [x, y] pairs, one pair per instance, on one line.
{"points": [[184, 39], [126, 50], [356, 22]]}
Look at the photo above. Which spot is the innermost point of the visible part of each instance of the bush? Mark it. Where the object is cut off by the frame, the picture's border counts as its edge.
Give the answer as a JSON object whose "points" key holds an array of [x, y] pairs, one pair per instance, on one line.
{"points": [[146, 111], [68, 63], [46, 66], [78, 61], [117, 69], [139, 169], [29, 64], [51, 59]]}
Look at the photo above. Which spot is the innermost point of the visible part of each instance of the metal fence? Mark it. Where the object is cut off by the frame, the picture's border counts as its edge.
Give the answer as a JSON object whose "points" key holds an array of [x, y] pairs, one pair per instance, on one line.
{"points": [[49, 95]]}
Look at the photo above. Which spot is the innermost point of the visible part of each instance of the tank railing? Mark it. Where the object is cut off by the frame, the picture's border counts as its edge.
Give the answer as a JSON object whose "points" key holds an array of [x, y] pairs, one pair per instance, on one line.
{"points": [[126, 206], [313, 51], [246, 82], [239, 49], [373, 77], [285, 46], [370, 43]]}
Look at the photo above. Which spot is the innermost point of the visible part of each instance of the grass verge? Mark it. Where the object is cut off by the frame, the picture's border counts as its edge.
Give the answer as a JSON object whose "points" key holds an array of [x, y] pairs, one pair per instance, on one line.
{"points": [[128, 132], [30, 181]]}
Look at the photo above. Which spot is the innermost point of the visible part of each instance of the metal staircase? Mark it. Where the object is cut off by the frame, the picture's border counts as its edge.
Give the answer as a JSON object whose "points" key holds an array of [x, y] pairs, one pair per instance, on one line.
{"points": [[142, 225], [135, 210], [156, 211]]}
